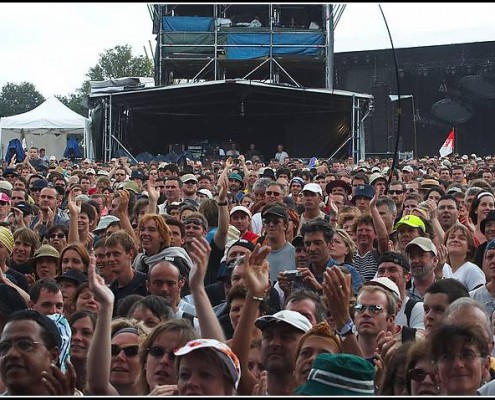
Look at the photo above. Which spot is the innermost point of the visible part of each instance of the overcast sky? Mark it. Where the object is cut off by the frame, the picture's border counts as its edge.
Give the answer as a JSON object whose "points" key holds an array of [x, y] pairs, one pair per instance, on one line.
{"points": [[54, 45]]}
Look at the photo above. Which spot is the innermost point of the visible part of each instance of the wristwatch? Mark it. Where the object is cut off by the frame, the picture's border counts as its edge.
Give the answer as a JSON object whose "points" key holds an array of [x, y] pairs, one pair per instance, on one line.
{"points": [[348, 329]]}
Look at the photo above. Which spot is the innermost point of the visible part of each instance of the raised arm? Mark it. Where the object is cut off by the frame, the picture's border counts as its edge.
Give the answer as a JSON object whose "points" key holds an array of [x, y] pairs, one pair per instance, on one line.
{"points": [[256, 274], [220, 236], [153, 195], [380, 228], [74, 211], [99, 354], [208, 322], [122, 212]]}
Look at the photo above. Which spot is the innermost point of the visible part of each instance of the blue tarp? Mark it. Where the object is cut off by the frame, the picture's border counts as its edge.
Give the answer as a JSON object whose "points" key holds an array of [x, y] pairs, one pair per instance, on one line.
{"points": [[257, 39], [188, 24]]}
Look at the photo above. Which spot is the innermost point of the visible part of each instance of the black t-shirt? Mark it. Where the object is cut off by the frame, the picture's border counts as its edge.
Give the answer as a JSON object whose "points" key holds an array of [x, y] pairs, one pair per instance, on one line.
{"points": [[18, 278], [136, 286], [213, 263]]}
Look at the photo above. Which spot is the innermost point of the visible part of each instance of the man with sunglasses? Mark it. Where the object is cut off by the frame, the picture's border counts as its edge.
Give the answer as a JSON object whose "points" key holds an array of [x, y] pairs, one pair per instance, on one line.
{"points": [[397, 192], [374, 314]]}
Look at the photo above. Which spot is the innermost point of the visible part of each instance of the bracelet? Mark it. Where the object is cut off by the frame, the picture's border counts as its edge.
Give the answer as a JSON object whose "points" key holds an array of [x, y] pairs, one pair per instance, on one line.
{"points": [[223, 203], [257, 298]]}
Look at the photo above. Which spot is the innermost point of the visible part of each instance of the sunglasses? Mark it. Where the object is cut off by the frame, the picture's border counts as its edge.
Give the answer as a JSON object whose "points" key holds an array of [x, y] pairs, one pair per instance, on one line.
{"points": [[395, 191], [276, 194], [129, 351], [419, 375], [194, 221], [274, 221], [159, 352], [4, 203], [374, 308], [57, 235]]}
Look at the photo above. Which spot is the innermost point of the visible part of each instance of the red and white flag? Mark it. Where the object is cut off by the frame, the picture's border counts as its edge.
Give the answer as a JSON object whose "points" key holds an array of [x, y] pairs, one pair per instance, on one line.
{"points": [[448, 146]]}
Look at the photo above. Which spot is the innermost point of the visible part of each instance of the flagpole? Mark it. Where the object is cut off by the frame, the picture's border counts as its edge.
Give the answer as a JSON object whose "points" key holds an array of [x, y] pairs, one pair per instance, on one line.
{"points": [[455, 140]]}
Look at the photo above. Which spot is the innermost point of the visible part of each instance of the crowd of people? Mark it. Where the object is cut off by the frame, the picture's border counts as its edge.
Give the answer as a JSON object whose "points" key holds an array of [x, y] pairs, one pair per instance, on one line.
{"points": [[245, 277]]}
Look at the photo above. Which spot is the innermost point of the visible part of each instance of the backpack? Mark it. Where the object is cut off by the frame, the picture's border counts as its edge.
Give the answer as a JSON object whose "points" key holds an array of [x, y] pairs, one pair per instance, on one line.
{"points": [[408, 334], [408, 310], [15, 148]]}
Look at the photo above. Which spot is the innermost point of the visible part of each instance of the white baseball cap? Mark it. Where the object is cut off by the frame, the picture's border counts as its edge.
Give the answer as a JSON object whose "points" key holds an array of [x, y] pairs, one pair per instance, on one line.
{"points": [[313, 187], [294, 318], [243, 209], [385, 283]]}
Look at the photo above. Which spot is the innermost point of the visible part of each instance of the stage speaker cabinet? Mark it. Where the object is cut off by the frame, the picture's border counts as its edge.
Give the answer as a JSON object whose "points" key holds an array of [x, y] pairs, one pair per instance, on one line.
{"points": [[176, 148]]}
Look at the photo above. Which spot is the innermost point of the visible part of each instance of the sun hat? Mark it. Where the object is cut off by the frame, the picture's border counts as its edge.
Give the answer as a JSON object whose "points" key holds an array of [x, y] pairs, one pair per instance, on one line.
{"points": [[339, 374], [46, 250], [224, 352], [294, 318], [7, 238]]}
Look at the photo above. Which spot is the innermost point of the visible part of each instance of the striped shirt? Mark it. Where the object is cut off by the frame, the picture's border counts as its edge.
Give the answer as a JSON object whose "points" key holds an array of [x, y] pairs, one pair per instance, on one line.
{"points": [[366, 265]]}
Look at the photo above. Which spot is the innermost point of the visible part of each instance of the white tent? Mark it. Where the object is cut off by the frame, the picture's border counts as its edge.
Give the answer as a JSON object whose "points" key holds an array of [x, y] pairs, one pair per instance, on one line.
{"points": [[48, 126]]}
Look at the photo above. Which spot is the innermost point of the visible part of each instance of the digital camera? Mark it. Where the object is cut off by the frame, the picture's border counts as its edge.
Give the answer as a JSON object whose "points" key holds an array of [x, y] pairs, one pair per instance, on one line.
{"points": [[292, 274]]}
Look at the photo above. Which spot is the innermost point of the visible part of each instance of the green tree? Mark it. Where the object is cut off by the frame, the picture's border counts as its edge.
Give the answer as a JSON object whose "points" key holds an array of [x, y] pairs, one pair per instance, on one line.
{"points": [[118, 63], [19, 98], [76, 102]]}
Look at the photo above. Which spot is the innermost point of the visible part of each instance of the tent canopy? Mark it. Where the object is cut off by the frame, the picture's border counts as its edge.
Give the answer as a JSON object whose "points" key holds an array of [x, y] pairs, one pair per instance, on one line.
{"points": [[47, 126]]}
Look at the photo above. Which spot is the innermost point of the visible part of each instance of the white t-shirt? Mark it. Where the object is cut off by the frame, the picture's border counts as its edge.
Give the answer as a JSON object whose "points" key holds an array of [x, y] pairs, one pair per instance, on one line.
{"points": [[468, 273], [416, 318]]}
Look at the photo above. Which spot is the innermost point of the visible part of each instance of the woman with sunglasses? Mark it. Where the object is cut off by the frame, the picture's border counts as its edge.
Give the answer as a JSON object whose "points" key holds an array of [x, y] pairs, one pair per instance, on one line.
{"points": [[157, 375], [420, 371], [113, 363], [57, 236]]}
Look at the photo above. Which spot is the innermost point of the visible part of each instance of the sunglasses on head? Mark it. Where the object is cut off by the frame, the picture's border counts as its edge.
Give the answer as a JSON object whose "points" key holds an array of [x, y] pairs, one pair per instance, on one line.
{"points": [[374, 308], [194, 221], [129, 351], [159, 352]]}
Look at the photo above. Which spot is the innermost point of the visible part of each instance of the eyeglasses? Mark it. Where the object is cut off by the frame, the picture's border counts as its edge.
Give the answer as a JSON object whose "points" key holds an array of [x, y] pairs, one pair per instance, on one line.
{"points": [[395, 191], [4, 203], [129, 351], [194, 221], [374, 308], [159, 352], [119, 174], [57, 235], [419, 374], [276, 194], [465, 356], [24, 345]]}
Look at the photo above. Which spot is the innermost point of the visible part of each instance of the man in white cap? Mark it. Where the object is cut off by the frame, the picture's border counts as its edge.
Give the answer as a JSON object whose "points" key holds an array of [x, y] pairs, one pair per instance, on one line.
{"points": [[312, 198], [422, 255], [240, 217], [189, 187]]}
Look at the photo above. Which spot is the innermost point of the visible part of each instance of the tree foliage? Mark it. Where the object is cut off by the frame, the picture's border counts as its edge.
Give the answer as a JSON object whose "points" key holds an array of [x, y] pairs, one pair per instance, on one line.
{"points": [[119, 62], [75, 101], [19, 98]]}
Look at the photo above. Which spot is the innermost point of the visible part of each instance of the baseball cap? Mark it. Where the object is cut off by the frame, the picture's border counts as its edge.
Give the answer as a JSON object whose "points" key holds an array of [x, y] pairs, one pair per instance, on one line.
{"points": [[90, 171], [278, 211], [73, 275], [189, 177], [423, 243], [224, 352], [411, 220], [339, 374], [396, 258], [313, 187], [363, 191], [408, 168], [243, 243], [374, 177], [4, 197], [130, 185], [52, 158], [489, 218], [6, 185], [10, 171], [39, 184], [490, 245], [243, 209], [385, 283], [298, 241], [297, 179], [105, 221], [102, 172], [294, 318], [206, 192]]}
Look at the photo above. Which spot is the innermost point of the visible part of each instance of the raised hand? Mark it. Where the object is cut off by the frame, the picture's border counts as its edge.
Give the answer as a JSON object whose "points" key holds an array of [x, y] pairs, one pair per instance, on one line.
{"points": [[97, 286], [58, 383], [153, 194], [74, 209], [200, 254], [257, 271]]}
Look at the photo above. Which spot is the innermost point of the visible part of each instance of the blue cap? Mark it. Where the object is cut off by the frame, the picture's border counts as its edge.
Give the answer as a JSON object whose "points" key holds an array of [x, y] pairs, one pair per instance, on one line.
{"points": [[364, 191]]}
